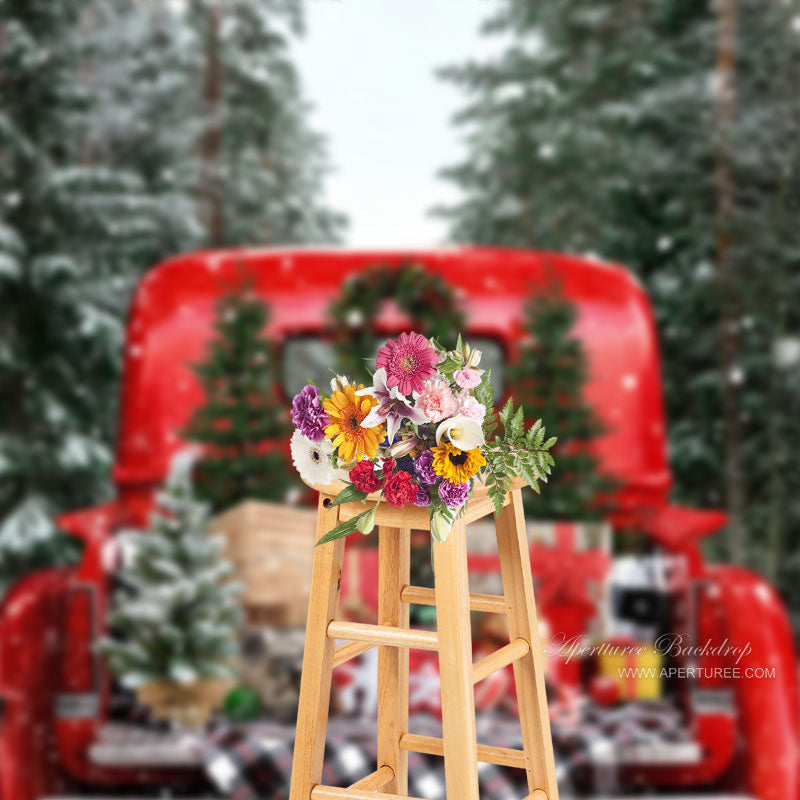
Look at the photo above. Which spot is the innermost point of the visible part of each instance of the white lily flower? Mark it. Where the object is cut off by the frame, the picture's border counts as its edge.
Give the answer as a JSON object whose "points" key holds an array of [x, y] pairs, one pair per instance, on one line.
{"points": [[392, 407], [338, 383], [404, 447], [463, 432], [474, 358]]}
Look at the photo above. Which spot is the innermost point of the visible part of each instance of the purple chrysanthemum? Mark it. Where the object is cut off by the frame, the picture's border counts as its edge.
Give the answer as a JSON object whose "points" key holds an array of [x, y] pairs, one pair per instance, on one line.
{"points": [[454, 495], [308, 414], [423, 466], [423, 496]]}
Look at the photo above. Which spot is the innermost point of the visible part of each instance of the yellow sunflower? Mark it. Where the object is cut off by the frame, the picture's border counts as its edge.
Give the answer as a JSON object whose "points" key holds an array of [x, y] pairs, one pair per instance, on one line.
{"points": [[346, 412], [457, 466]]}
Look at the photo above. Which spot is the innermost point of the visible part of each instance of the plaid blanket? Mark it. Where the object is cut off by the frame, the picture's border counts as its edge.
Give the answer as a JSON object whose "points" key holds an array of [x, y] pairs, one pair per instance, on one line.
{"points": [[255, 761], [246, 763]]}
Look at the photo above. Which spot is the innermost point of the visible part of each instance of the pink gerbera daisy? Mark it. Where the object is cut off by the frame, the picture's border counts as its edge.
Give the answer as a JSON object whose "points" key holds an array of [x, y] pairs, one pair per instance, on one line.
{"points": [[408, 360]]}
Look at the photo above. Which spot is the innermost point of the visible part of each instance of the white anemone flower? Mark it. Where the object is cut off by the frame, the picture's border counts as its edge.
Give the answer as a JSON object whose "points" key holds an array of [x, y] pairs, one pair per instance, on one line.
{"points": [[312, 459], [463, 432]]}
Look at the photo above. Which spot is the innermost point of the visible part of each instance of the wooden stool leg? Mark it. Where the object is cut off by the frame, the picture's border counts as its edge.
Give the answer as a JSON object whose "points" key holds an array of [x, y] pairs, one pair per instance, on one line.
{"points": [[315, 681], [455, 665], [394, 556], [529, 672]]}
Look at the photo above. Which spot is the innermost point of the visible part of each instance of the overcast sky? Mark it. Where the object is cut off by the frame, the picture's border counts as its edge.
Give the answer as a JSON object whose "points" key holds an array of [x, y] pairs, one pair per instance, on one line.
{"points": [[368, 68]]}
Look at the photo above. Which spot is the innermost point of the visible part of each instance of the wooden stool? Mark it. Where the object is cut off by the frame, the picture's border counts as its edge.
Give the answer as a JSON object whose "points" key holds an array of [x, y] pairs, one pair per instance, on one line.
{"points": [[453, 641]]}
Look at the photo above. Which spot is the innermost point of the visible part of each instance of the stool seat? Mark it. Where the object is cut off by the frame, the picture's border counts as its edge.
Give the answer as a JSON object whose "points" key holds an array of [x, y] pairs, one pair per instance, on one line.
{"points": [[452, 641], [480, 505]]}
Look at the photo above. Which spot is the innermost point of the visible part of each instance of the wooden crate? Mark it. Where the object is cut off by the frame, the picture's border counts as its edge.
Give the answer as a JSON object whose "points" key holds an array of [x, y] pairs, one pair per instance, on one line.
{"points": [[271, 547]]}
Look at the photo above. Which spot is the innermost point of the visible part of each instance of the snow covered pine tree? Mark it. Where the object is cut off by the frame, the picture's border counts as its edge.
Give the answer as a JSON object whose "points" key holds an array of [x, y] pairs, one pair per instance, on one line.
{"points": [[69, 230], [176, 613], [601, 127], [208, 108]]}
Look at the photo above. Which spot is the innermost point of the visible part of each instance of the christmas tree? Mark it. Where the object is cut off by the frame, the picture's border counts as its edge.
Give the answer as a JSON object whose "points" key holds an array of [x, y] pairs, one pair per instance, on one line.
{"points": [[548, 379], [176, 616], [241, 416]]}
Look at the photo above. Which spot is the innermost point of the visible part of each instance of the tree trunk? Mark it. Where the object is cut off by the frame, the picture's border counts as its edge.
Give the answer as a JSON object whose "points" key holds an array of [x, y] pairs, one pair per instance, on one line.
{"points": [[212, 139], [731, 377]]}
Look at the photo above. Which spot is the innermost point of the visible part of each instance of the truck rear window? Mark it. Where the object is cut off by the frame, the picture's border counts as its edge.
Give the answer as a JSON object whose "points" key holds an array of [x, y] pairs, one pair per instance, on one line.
{"points": [[311, 358]]}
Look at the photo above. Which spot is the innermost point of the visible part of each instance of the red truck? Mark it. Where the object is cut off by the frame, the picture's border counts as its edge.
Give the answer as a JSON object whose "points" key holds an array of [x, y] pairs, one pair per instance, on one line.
{"points": [[54, 690]]}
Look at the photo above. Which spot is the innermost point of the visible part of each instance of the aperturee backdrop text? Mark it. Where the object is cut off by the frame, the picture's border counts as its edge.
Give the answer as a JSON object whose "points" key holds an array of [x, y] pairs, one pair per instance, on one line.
{"points": [[422, 434]]}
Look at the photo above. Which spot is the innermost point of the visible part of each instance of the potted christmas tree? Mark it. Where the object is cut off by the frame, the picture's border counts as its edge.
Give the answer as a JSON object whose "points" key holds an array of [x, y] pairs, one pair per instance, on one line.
{"points": [[176, 614]]}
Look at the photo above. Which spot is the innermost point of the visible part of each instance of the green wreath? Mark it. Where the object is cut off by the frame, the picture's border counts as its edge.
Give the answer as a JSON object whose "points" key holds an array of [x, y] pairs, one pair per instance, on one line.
{"points": [[426, 298]]}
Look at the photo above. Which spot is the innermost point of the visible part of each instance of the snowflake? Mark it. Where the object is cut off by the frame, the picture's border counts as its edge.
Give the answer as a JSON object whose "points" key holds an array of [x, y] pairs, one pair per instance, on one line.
{"points": [[354, 318], [786, 351], [547, 151], [736, 376]]}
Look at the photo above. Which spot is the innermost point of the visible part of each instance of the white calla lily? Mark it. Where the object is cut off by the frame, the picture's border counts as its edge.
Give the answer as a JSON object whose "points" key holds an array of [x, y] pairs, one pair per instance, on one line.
{"points": [[463, 432]]}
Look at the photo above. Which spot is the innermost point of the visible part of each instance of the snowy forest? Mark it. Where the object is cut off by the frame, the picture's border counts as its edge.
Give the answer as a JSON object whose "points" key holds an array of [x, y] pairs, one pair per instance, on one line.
{"points": [[662, 136], [123, 145]]}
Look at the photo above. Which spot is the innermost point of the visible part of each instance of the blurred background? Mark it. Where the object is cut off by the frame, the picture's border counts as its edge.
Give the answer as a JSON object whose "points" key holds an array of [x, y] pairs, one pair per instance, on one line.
{"points": [[655, 143]]}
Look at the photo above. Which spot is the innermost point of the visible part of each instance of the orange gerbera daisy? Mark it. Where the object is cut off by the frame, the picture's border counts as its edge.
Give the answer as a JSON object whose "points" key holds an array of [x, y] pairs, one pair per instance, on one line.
{"points": [[346, 412]]}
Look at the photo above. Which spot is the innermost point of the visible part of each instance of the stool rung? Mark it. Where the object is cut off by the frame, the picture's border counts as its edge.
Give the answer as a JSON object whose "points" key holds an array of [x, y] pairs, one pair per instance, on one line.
{"points": [[506, 655], [421, 596], [320, 792], [375, 781], [433, 746], [344, 652], [383, 634]]}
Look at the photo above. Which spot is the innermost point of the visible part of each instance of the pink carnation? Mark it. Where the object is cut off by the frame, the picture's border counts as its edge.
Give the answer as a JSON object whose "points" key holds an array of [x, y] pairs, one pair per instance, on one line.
{"points": [[437, 400], [468, 406], [467, 378]]}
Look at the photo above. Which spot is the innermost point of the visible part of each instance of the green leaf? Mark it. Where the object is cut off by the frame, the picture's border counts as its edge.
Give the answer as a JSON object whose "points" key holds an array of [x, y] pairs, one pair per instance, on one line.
{"points": [[506, 412], [344, 529], [484, 393], [498, 495], [518, 423], [348, 495], [449, 366]]}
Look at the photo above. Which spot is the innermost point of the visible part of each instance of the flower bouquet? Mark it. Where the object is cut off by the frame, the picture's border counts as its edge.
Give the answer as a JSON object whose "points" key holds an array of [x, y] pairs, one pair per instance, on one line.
{"points": [[425, 433]]}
